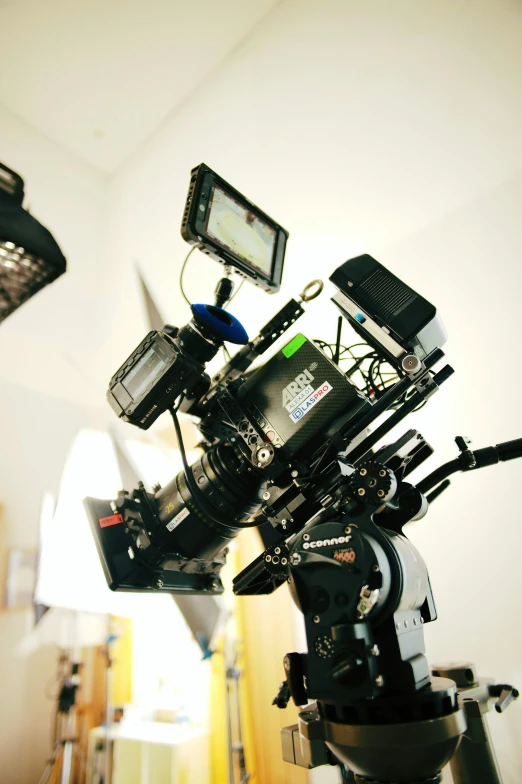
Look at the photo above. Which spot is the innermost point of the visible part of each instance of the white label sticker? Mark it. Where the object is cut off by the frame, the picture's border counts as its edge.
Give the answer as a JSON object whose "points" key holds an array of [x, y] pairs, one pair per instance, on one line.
{"points": [[303, 394], [317, 395], [178, 519]]}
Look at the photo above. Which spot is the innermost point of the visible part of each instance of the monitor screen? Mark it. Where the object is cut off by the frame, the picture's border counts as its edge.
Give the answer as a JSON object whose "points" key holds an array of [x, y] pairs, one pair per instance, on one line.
{"points": [[143, 373], [240, 231]]}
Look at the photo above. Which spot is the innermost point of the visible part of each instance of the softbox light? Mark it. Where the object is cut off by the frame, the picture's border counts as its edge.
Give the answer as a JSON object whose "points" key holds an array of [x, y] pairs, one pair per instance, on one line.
{"points": [[29, 255]]}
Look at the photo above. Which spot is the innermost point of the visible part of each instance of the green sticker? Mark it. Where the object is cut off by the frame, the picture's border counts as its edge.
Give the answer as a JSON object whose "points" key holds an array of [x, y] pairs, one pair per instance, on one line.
{"points": [[294, 345]]}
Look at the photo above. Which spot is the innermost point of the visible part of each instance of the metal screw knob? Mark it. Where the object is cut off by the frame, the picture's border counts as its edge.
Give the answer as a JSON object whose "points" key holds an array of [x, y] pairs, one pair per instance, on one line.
{"points": [[411, 363]]}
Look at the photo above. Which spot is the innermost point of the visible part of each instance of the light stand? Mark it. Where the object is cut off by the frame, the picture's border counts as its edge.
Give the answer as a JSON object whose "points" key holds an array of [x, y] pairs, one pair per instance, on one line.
{"points": [[66, 729], [109, 710], [235, 734]]}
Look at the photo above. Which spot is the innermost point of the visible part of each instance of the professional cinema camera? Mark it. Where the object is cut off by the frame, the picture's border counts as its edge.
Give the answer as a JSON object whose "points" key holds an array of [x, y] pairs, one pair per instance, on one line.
{"points": [[293, 447]]}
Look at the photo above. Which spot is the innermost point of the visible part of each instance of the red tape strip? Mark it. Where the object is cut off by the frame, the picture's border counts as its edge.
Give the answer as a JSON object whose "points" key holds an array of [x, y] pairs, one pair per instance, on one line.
{"points": [[105, 522]]}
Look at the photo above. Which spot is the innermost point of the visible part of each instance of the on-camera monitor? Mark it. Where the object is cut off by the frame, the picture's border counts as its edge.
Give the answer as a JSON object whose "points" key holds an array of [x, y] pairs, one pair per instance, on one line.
{"points": [[238, 229], [233, 230]]}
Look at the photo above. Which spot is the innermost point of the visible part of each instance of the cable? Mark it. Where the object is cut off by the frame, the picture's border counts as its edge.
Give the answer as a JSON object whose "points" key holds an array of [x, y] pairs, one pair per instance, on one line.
{"points": [[181, 398], [236, 292], [189, 480], [189, 303], [378, 376], [376, 373], [187, 257], [58, 677]]}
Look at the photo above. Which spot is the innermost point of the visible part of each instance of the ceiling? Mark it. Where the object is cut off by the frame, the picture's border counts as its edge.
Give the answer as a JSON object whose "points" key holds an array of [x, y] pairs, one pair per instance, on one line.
{"points": [[99, 76]]}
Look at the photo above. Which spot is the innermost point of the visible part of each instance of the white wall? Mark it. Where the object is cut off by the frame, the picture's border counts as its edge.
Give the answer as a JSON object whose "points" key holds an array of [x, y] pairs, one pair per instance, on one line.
{"points": [[471, 539], [45, 398], [392, 128]]}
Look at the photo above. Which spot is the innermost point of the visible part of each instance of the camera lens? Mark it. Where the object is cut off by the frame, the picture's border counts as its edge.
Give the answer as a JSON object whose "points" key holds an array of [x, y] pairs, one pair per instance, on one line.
{"points": [[222, 481]]}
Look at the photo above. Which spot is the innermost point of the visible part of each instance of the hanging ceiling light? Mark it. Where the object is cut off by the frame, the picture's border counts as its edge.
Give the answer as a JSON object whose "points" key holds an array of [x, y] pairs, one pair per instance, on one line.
{"points": [[29, 256]]}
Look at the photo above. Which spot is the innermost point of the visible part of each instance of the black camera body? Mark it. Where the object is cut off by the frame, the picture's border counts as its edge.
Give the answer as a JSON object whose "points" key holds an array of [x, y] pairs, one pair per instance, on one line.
{"points": [[266, 435], [296, 395]]}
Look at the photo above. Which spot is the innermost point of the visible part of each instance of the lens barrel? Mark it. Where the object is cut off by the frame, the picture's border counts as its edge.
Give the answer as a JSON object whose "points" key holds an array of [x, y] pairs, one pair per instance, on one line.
{"points": [[224, 482]]}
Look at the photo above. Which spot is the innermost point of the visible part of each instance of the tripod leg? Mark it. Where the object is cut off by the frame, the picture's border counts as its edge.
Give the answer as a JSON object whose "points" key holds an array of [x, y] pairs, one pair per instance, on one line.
{"points": [[347, 776], [475, 759], [67, 762], [46, 775]]}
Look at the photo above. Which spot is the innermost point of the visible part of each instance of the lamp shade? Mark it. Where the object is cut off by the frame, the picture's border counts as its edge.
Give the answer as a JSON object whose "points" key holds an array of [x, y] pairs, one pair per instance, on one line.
{"points": [[29, 255], [70, 575]]}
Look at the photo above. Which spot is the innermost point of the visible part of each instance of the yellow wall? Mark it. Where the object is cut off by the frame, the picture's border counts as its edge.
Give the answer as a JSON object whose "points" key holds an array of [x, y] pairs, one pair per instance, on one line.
{"points": [[121, 655], [266, 627], [218, 723]]}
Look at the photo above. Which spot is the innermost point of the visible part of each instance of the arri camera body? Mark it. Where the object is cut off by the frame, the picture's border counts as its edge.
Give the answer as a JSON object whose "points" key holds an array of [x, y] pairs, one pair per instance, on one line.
{"points": [[293, 447]]}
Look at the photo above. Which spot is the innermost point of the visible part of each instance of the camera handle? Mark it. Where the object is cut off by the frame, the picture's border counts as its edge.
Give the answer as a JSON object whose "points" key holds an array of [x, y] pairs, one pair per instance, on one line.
{"points": [[468, 460]]}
